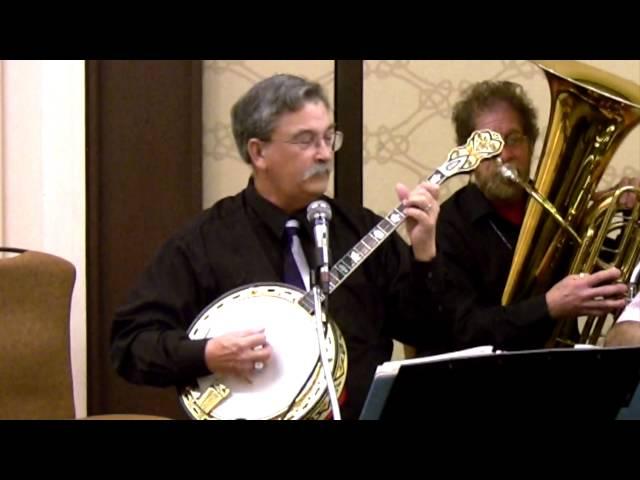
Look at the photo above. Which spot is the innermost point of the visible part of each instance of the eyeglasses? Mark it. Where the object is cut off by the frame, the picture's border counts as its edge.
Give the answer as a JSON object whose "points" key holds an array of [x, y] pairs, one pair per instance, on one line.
{"points": [[305, 140], [515, 139]]}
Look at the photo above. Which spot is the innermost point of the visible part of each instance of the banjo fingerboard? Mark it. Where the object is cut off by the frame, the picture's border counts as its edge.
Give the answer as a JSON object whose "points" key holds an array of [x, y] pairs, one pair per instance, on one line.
{"points": [[365, 247], [481, 144]]}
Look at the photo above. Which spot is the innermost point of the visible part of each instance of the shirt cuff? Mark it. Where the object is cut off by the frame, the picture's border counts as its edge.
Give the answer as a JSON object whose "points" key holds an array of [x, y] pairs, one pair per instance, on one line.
{"points": [[532, 311], [191, 357], [429, 274]]}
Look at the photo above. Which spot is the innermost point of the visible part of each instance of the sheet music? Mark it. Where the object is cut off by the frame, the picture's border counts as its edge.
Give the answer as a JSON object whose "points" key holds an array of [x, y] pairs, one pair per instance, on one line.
{"points": [[393, 366]]}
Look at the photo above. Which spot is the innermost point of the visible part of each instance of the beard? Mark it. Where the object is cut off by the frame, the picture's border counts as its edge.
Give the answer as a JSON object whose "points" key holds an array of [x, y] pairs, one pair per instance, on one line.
{"points": [[497, 187]]}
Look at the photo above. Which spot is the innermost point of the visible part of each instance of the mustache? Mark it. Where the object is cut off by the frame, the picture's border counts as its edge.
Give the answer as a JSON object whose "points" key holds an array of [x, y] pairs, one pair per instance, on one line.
{"points": [[318, 169]]}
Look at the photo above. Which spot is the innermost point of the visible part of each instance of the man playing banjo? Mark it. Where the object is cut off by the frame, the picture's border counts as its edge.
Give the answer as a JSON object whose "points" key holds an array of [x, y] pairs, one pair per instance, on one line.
{"points": [[283, 128]]}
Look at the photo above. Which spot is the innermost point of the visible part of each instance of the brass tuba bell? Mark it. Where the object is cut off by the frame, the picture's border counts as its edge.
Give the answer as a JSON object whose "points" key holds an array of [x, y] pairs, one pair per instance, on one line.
{"points": [[564, 230]]}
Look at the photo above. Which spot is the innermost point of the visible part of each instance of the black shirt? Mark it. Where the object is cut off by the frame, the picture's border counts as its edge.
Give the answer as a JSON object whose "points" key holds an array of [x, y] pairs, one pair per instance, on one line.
{"points": [[238, 241], [476, 246]]}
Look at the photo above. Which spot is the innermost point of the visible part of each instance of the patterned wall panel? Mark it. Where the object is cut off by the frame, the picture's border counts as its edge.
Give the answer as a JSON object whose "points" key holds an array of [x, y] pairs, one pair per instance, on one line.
{"points": [[407, 110], [408, 130]]}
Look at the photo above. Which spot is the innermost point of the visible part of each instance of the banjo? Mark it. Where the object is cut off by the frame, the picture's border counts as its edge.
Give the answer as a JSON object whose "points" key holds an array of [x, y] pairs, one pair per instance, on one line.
{"points": [[291, 385]]}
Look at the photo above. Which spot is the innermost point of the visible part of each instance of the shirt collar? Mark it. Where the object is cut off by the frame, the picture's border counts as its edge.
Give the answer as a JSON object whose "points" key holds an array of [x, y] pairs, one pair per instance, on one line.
{"points": [[271, 215]]}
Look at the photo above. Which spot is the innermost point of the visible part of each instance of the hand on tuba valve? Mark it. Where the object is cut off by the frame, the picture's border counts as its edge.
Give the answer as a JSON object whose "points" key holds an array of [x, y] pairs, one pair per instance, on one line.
{"points": [[587, 294]]}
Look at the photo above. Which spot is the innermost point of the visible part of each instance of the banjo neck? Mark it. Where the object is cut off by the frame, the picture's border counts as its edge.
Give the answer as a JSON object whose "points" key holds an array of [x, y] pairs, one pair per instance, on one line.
{"points": [[482, 144]]}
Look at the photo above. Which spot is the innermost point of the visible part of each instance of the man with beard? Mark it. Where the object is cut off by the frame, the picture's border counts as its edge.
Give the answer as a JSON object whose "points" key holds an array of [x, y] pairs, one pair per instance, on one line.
{"points": [[283, 129], [478, 229]]}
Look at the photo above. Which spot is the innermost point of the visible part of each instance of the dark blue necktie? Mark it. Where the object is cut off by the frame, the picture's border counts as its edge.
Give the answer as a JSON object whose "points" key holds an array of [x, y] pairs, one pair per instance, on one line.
{"points": [[295, 263]]}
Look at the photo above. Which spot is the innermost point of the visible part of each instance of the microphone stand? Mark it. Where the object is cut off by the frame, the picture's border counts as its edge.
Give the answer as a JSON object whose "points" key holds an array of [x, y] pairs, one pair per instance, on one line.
{"points": [[321, 308]]}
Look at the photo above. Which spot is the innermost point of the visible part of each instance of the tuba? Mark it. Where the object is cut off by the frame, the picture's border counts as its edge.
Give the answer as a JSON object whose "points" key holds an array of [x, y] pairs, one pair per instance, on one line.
{"points": [[566, 229]]}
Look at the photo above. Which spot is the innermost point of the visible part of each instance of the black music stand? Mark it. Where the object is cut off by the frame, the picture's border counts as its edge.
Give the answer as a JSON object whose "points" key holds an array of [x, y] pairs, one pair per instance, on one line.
{"points": [[557, 384]]}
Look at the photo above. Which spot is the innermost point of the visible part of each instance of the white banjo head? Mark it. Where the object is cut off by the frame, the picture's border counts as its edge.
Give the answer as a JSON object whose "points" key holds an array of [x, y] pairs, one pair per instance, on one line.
{"points": [[291, 383]]}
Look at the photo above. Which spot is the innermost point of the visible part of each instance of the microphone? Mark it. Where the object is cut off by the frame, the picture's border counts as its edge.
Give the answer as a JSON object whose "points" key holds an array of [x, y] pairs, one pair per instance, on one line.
{"points": [[318, 215]]}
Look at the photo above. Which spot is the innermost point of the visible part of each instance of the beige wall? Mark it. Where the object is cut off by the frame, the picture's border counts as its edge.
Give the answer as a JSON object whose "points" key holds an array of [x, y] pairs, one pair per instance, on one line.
{"points": [[43, 200], [408, 131], [407, 110]]}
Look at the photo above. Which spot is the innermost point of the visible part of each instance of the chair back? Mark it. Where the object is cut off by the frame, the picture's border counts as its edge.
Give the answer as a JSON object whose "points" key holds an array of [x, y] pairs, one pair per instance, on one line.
{"points": [[35, 366]]}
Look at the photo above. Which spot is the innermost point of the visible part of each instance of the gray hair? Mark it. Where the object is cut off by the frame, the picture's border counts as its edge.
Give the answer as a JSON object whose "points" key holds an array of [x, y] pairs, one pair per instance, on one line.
{"points": [[256, 113]]}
